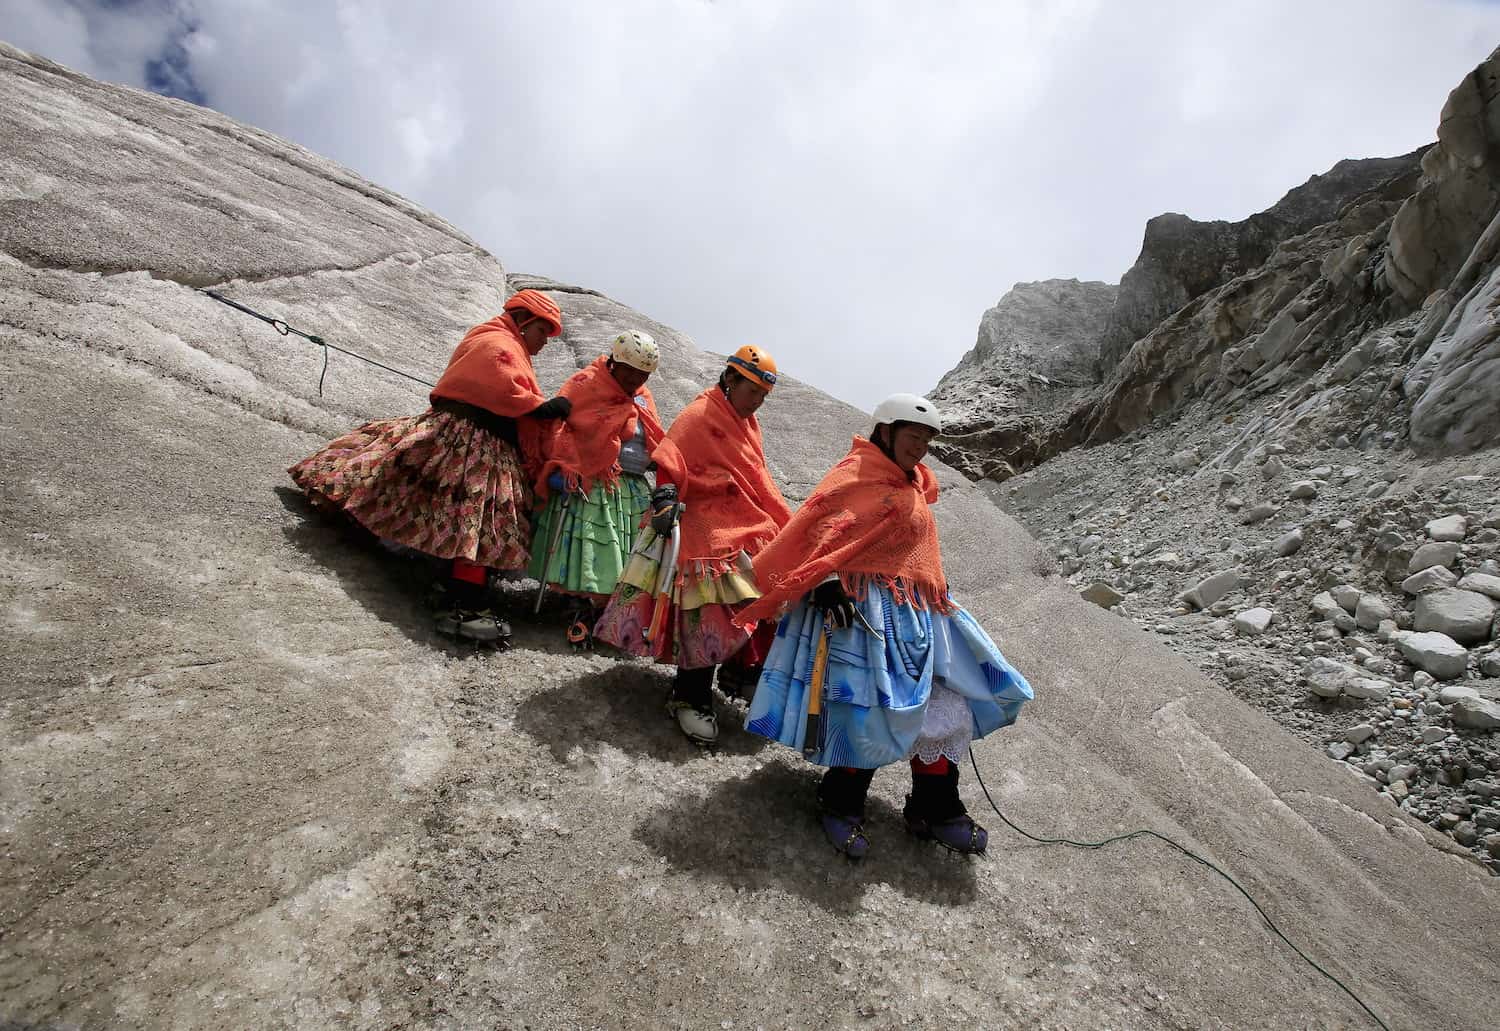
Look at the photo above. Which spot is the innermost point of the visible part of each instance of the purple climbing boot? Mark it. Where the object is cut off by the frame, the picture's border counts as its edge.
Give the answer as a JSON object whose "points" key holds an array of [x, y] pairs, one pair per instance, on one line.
{"points": [[841, 809], [934, 811]]}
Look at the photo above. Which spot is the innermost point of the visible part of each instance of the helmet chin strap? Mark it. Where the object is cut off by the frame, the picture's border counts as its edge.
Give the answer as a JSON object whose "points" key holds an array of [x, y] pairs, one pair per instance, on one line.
{"points": [[887, 445]]}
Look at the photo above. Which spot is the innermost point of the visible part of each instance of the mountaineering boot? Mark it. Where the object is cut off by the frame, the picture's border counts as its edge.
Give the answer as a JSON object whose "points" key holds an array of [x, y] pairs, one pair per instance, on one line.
{"points": [[481, 625], [738, 681], [841, 809], [691, 705], [934, 811], [465, 613]]}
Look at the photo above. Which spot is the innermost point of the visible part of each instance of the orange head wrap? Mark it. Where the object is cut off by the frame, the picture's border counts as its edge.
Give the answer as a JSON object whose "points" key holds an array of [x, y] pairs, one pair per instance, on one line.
{"points": [[540, 305]]}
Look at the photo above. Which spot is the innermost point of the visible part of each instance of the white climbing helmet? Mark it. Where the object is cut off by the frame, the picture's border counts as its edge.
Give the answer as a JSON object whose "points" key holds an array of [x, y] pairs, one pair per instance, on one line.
{"points": [[637, 350], [909, 408]]}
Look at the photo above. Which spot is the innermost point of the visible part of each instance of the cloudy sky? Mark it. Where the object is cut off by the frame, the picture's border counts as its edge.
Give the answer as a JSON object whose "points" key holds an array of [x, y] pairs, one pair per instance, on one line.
{"points": [[849, 184]]}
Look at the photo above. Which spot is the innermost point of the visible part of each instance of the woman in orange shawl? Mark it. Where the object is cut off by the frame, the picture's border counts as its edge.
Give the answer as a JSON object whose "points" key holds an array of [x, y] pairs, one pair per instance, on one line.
{"points": [[449, 483], [593, 483], [895, 668], [716, 499]]}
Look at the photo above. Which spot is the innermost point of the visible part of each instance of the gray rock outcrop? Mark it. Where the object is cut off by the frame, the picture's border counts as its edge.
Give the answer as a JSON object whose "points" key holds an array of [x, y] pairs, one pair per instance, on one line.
{"points": [[1036, 352], [1182, 259]]}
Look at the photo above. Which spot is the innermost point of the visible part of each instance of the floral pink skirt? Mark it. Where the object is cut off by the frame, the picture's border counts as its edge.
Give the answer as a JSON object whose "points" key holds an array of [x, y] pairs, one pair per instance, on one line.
{"points": [[701, 627], [694, 638], [435, 482]]}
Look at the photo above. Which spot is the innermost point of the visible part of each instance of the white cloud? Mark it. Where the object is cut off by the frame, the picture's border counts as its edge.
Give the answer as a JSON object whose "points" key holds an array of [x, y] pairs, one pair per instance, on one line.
{"points": [[849, 186], [55, 31]]}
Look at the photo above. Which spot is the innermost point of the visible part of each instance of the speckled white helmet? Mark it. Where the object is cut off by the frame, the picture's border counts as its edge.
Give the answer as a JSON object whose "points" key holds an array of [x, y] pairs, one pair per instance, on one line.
{"points": [[909, 408], [637, 350]]}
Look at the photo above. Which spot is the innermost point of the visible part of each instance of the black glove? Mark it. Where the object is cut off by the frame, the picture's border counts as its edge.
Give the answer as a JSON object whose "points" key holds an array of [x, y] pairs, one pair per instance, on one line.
{"points": [[664, 509], [557, 408], [837, 606]]}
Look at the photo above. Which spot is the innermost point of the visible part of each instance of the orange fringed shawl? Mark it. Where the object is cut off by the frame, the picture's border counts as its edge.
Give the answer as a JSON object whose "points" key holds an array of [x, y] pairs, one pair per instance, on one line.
{"points": [[716, 460], [586, 447], [866, 521], [490, 369]]}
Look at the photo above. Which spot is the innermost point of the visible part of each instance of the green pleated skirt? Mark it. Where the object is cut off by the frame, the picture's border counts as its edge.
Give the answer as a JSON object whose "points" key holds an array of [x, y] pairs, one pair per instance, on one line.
{"points": [[598, 530]]}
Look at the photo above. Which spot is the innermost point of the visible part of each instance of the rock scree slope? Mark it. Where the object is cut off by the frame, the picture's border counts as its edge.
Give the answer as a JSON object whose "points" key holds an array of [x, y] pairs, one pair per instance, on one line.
{"points": [[244, 786], [1277, 442]]}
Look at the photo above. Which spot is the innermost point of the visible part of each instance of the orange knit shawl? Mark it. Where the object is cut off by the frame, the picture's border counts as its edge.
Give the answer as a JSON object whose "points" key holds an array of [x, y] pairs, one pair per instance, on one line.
{"points": [[491, 369], [716, 460], [586, 448], [866, 521]]}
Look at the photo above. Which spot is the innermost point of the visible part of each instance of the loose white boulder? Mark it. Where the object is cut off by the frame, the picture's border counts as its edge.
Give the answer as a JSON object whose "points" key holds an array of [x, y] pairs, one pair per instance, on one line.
{"points": [[1253, 622], [1367, 689], [1211, 589], [1324, 605], [1430, 579], [1434, 652], [1327, 678], [1102, 594], [1448, 528], [1464, 616], [1434, 553], [1288, 543], [1371, 611], [1482, 583], [1449, 694], [1347, 595], [1476, 713]]}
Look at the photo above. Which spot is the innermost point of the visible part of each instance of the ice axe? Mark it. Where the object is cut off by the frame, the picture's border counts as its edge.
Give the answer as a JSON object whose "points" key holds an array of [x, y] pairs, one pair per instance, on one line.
{"points": [[665, 574], [562, 515], [812, 738]]}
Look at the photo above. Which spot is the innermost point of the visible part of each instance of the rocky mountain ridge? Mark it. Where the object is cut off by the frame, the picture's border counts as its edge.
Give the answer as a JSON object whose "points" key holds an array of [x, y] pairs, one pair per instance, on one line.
{"points": [[1422, 241], [1036, 352], [1182, 258]]}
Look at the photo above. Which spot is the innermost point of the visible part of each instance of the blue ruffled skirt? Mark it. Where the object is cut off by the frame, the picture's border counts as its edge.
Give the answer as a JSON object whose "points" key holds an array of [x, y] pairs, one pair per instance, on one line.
{"points": [[878, 690]]}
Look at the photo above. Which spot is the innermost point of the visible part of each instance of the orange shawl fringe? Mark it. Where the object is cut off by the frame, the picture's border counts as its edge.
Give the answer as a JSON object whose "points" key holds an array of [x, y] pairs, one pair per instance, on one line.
{"points": [[866, 521]]}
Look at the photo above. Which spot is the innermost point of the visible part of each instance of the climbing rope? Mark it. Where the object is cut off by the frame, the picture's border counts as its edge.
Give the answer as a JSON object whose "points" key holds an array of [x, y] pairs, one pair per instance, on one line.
{"points": [[1195, 857], [285, 330]]}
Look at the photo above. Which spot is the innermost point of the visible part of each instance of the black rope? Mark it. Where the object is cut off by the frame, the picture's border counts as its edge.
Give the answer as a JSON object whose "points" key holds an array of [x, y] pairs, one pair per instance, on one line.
{"points": [[1195, 857], [285, 330]]}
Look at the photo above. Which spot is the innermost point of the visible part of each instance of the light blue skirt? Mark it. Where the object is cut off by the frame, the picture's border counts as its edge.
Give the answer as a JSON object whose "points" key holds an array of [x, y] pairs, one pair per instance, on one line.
{"points": [[877, 688]]}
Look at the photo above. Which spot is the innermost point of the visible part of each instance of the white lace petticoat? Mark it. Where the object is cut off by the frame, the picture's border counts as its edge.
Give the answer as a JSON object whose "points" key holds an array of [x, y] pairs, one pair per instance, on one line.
{"points": [[947, 727]]}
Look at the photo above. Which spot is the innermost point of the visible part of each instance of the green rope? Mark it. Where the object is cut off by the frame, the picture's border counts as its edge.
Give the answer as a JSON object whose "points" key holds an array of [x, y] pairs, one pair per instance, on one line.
{"points": [[285, 330], [1195, 857]]}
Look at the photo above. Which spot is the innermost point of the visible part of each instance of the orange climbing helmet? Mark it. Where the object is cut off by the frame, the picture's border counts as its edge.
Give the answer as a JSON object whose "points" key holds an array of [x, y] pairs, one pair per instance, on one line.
{"points": [[755, 365], [538, 304]]}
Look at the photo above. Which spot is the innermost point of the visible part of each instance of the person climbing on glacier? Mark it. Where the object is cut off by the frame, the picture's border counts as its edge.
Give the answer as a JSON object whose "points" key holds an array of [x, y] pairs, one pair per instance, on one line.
{"points": [[873, 661], [593, 484], [450, 482], [716, 499]]}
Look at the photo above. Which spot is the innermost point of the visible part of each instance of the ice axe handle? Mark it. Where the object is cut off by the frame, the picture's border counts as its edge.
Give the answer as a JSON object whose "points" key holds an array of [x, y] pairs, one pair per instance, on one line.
{"points": [[562, 514], [812, 738]]}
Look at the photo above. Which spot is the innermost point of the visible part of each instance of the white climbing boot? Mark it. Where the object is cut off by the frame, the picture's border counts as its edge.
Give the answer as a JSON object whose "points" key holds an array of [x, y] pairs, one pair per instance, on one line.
{"points": [[701, 728]]}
